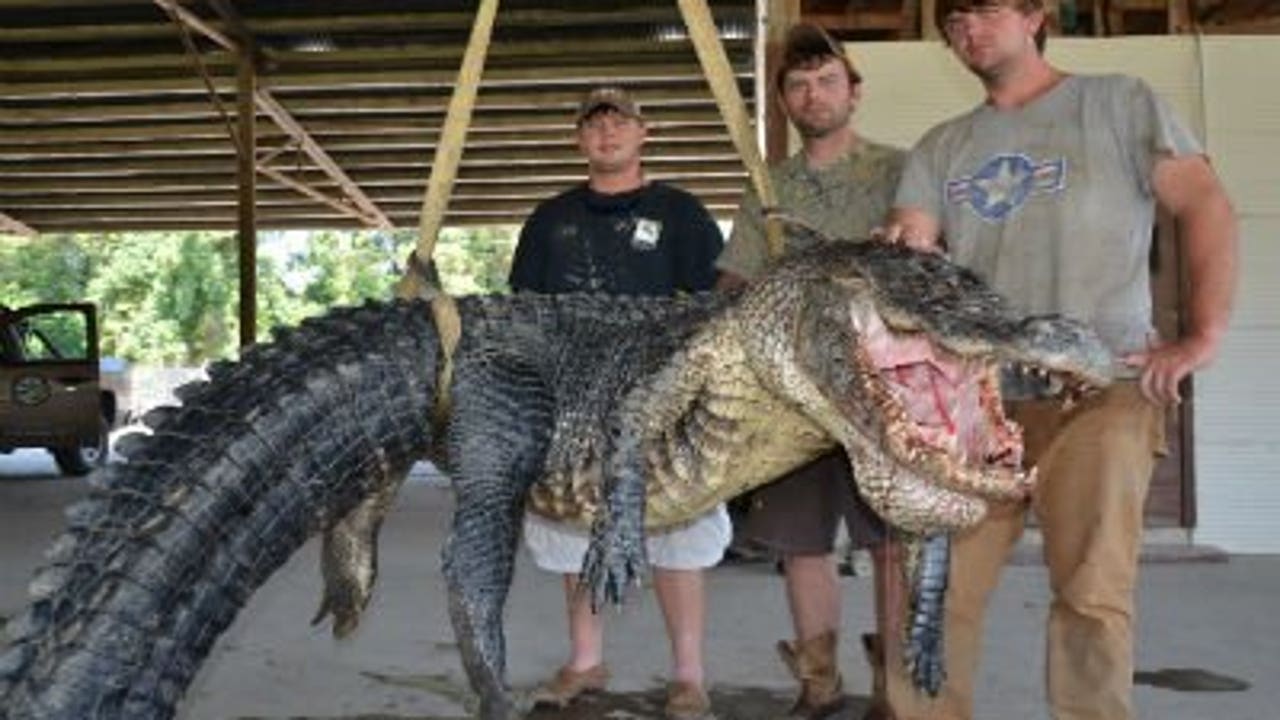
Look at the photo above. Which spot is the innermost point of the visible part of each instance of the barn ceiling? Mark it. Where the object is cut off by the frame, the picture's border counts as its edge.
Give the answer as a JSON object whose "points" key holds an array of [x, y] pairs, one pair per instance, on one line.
{"points": [[118, 114]]}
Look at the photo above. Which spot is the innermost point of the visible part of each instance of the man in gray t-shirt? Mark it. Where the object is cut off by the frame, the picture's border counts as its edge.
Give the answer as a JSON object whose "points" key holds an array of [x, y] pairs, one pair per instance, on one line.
{"points": [[1048, 191]]}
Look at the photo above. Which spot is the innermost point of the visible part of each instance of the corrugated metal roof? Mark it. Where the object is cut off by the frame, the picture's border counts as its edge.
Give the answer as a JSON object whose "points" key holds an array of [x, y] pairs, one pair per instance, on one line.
{"points": [[105, 122]]}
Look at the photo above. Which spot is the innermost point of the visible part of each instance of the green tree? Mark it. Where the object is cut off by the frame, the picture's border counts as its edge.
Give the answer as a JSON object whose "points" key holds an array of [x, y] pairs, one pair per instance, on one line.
{"points": [[475, 260], [34, 270], [166, 298], [171, 298]]}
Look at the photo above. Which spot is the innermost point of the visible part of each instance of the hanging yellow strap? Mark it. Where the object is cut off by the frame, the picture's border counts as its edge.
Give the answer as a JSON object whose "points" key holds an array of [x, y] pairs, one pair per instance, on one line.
{"points": [[715, 65], [444, 169]]}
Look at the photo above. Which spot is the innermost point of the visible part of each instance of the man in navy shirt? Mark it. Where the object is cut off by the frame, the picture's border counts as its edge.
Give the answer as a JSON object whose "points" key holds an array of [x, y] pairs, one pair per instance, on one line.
{"points": [[620, 234]]}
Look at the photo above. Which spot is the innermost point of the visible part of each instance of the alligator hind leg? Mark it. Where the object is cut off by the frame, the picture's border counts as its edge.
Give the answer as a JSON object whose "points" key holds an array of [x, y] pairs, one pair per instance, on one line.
{"points": [[496, 449], [478, 563]]}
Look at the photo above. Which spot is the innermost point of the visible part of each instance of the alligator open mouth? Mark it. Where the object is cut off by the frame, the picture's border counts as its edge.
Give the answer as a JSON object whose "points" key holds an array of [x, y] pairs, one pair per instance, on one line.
{"points": [[945, 446], [943, 412]]}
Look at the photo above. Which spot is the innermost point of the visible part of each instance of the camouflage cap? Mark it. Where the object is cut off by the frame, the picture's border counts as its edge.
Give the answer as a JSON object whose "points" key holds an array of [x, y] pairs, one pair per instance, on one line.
{"points": [[611, 97]]}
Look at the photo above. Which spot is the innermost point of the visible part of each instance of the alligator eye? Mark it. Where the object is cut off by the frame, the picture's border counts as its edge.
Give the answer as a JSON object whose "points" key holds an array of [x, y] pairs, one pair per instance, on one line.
{"points": [[31, 390]]}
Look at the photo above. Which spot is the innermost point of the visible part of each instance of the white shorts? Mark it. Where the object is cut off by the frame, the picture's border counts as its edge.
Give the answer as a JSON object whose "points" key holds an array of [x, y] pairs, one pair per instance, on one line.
{"points": [[559, 547]]}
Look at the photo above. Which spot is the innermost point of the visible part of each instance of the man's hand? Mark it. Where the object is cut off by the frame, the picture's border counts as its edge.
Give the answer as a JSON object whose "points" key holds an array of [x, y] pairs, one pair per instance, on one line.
{"points": [[911, 227], [1164, 365]]}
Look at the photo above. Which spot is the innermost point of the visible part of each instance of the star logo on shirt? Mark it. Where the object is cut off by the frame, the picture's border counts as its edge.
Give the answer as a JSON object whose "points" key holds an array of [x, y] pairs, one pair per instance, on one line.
{"points": [[1004, 182]]}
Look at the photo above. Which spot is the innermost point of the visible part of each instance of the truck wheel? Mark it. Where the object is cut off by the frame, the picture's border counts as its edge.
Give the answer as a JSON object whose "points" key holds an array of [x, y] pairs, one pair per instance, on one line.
{"points": [[82, 460]]}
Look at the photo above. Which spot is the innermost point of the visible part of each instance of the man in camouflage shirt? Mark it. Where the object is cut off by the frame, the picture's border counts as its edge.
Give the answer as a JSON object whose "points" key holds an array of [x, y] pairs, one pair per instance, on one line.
{"points": [[842, 185]]}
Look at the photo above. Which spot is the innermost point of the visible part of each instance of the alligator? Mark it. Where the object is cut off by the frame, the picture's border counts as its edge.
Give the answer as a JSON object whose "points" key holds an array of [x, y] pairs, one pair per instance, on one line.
{"points": [[621, 414]]}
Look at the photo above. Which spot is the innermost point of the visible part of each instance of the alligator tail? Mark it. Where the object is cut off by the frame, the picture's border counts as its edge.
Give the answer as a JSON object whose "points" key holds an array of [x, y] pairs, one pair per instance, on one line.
{"points": [[169, 545]]}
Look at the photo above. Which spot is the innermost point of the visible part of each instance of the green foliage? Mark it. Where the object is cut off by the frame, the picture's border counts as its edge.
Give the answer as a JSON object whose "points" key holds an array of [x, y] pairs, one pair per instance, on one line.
{"points": [[171, 298], [43, 270], [475, 260]]}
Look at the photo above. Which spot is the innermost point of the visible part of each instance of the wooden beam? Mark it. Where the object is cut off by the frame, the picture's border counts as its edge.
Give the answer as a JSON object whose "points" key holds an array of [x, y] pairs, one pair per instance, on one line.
{"points": [[780, 16], [1181, 20], [305, 189], [929, 20], [310, 215], [191, 20], [546, 137], [659, 120], [855, 20], [909, 26], [124, 165], [12, 226], [369, 211], [267, 104], [179, 177], [415, 101], [664, 75], [246, 206], [390, 193], [590, 52], [1259, 26], [405, 207]]}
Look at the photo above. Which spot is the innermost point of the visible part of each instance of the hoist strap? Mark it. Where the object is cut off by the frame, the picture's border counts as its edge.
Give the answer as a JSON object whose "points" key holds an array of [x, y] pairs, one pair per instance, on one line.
{"points": [[444, 169], [724, 86]]}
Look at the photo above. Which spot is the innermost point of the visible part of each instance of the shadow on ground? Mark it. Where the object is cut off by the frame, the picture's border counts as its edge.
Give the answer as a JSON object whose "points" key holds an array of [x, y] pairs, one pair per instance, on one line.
{"points": [[727, 703]]}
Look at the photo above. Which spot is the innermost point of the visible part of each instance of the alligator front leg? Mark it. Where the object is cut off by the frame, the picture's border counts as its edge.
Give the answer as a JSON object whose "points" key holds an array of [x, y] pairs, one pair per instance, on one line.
{"points": [[349, 552], [616, 556]]}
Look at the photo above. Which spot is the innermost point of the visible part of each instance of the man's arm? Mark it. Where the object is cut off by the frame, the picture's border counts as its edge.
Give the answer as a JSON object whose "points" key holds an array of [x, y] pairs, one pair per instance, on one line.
{"points": [[1188, 187], [746, 253]]}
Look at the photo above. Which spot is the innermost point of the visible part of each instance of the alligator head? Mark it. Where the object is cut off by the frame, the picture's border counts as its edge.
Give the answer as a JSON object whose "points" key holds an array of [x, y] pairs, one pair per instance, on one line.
{"points": [[897, 355]]}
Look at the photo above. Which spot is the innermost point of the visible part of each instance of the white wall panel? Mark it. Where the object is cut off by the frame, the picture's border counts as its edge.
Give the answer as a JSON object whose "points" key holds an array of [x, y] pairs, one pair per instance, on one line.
{"points": [[1248, 161], [1240, 74], [1258, 300], [911, 86], [1168, 63], [1238, 411], [1238, 396], [1239, 506], [908, 87]]}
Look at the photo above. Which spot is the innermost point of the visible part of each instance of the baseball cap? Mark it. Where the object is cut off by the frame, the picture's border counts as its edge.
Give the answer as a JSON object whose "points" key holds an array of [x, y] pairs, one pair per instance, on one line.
{"points": [[611, 97], [808, 46]]}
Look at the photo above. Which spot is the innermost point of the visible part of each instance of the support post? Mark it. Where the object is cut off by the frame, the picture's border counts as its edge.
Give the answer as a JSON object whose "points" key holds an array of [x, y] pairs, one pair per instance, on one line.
{"points": [[780, 15], [246, 210]]}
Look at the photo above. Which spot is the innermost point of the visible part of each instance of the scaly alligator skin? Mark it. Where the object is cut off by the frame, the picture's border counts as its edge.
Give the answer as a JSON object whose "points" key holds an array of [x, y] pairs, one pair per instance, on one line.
{"points": [[618, 413]]}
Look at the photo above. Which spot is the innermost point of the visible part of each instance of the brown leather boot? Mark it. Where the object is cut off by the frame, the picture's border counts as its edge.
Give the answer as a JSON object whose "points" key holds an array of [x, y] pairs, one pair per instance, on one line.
{"points": [[568, 684], [873, 647], [813, 663]]}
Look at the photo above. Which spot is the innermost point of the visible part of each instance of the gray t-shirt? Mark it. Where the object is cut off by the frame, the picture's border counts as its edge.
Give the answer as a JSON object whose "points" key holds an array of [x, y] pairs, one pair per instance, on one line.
{"points": [[844, 201], [1052, 202]]}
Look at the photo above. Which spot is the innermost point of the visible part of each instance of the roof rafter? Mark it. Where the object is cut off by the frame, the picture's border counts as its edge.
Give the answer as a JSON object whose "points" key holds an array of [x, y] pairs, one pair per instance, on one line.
{"points": [[14, 227], [360, 206]]}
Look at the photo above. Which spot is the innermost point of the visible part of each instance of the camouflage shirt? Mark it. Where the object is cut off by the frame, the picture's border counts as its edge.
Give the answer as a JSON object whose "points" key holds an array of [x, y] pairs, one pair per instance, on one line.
{"points": [[844, 200]]}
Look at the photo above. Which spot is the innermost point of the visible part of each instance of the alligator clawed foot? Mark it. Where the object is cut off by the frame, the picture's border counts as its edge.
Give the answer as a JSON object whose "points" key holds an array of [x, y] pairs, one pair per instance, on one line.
{"points": [[500, 707], [612, 564], [925, 662]]}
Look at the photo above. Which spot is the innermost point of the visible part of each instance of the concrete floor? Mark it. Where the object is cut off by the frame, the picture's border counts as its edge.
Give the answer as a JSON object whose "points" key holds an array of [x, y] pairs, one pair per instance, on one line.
{"points": [[1218, 617]]}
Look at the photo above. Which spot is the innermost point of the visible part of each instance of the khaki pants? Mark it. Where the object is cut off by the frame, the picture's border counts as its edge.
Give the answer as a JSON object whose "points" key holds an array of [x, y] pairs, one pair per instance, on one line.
{"points": [[1095, 464]]}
